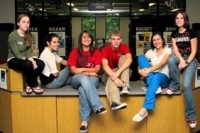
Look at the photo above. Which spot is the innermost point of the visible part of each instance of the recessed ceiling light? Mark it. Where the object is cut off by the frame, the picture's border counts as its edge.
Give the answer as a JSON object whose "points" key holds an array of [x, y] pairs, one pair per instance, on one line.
{"points": [[69, 4], [75, 9], [151, 4], [41, 9], [173, 10], [141, 10]]}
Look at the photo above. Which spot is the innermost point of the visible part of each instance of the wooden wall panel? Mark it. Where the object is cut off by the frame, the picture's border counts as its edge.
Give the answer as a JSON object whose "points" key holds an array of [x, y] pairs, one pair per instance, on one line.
{"points": [[168, 116], [34, 114], [197, 105], [5, 112], [15, 80], [110, 122]]}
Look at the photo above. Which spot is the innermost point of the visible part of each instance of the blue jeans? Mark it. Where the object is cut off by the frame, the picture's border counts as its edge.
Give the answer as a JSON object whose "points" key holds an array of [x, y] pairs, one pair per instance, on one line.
{"points": [[153, 81], [62, 79], [188, 74], [88, 94]]}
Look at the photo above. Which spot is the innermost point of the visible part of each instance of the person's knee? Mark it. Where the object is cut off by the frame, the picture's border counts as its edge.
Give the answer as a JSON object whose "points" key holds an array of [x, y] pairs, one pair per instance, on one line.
{"points": [[40, 64], [156, 79], [186, 85], [171, 60], [141, 57], [27, 64]]}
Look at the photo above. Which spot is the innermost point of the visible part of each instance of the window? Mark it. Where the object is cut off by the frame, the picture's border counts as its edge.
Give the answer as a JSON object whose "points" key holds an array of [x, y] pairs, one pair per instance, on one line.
{"points": [[89, 24], [111, 23]]}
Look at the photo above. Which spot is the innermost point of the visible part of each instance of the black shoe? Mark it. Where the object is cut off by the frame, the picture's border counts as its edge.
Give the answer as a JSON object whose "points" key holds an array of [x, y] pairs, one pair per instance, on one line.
{"points": [[102, 110], [83, 129], [118, 105]]}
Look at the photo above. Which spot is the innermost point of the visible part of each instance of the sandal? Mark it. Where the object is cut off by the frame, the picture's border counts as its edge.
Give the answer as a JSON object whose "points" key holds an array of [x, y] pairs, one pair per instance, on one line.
{"points": [[38, 90], [28, 90]]}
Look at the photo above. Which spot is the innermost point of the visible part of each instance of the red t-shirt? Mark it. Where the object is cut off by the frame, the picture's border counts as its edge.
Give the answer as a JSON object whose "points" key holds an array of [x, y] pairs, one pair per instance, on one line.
{"points": [[113, 56], [86, 60]]}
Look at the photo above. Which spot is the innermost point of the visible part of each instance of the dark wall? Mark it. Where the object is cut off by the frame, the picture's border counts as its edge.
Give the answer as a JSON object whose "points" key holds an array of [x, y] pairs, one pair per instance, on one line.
{"points": [[196, 27], [5, 29]]}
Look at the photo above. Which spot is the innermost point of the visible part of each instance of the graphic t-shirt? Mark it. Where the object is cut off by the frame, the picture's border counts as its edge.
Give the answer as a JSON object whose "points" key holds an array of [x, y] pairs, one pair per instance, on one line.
{"points": [[86, 60], [113, 56], [183, 40]]}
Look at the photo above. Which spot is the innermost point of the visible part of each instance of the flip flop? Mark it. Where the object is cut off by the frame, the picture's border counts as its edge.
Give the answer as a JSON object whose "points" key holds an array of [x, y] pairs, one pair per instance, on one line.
{"points": [[28, 90], [38, 90]]}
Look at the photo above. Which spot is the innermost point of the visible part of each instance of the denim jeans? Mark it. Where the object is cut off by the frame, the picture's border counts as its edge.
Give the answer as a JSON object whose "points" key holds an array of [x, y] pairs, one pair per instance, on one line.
{"points": [[153, 81], [88, 95], [62, 79], [188, 74]]}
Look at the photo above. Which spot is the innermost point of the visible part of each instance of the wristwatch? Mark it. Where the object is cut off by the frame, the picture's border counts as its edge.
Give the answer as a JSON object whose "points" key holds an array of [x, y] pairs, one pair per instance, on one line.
{"points": [[187, 62]]}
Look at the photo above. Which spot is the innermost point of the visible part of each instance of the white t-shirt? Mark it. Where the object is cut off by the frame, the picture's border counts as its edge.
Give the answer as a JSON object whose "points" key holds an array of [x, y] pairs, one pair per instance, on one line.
{"points": [[50, 59], [154, 59]]}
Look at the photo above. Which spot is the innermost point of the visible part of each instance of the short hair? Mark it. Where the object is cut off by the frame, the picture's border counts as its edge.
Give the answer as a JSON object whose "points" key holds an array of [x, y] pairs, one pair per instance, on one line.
{"points": [[115, 32], [185, 17]]}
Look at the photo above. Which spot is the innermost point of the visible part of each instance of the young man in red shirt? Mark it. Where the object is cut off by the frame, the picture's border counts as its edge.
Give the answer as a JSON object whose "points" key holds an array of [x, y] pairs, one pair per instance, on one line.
{"points": [[116, 59]]}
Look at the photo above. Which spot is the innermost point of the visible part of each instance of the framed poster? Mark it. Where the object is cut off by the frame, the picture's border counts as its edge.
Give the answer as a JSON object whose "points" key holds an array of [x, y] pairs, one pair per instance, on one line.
{"points": [[143, 42]]}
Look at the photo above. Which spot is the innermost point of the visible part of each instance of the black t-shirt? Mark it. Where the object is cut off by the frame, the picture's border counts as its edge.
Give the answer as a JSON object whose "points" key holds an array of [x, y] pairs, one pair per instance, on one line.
{"points": [[183, 40]]}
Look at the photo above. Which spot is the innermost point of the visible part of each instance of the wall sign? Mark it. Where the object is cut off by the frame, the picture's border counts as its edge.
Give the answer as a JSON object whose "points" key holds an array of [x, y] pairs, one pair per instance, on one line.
{"points": [[99, 5]]}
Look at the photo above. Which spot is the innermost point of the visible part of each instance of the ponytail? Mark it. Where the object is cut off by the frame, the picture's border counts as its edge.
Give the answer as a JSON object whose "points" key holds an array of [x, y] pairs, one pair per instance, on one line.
{"points": [[28, 39]]}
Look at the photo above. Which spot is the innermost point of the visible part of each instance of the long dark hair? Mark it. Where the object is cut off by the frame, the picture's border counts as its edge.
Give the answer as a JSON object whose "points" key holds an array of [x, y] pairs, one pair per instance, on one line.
{"points": [[28, 35], [49, 37], [80, 45], [185, 17], [162, 38]]}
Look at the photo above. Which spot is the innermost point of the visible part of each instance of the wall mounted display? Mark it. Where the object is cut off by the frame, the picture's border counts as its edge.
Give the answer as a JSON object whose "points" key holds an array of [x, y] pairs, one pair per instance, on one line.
{"points": [[3, 79]]}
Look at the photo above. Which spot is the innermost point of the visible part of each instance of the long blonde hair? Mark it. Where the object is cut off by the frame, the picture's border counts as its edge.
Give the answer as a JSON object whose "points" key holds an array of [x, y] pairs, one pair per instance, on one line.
{"points": [[28, 35]]}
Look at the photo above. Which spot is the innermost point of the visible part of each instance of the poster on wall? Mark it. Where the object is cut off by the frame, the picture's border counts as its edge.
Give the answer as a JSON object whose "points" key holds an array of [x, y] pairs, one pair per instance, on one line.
{"points": [[167, 36], [34, 32], [143, 39], [60, 31], [3, 79]]}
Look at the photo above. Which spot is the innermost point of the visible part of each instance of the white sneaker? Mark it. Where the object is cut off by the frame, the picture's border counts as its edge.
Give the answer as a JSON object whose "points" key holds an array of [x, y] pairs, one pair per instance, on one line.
{"points": [[192, 123], [139, 118], [170, 91], [125, 89], [159, 90]]}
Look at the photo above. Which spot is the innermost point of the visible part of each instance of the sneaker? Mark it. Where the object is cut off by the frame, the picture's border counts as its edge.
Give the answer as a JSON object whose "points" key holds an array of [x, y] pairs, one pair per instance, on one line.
{"points": [[118, 105], [139, 118], [192, 123], [159, 90], [125, 88], [83, 129], [170, 91], [101, 110]]}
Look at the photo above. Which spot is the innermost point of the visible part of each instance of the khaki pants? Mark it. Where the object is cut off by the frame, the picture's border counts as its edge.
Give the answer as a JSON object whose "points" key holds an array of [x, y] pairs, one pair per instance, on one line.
{"points": [[112, 91]]}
